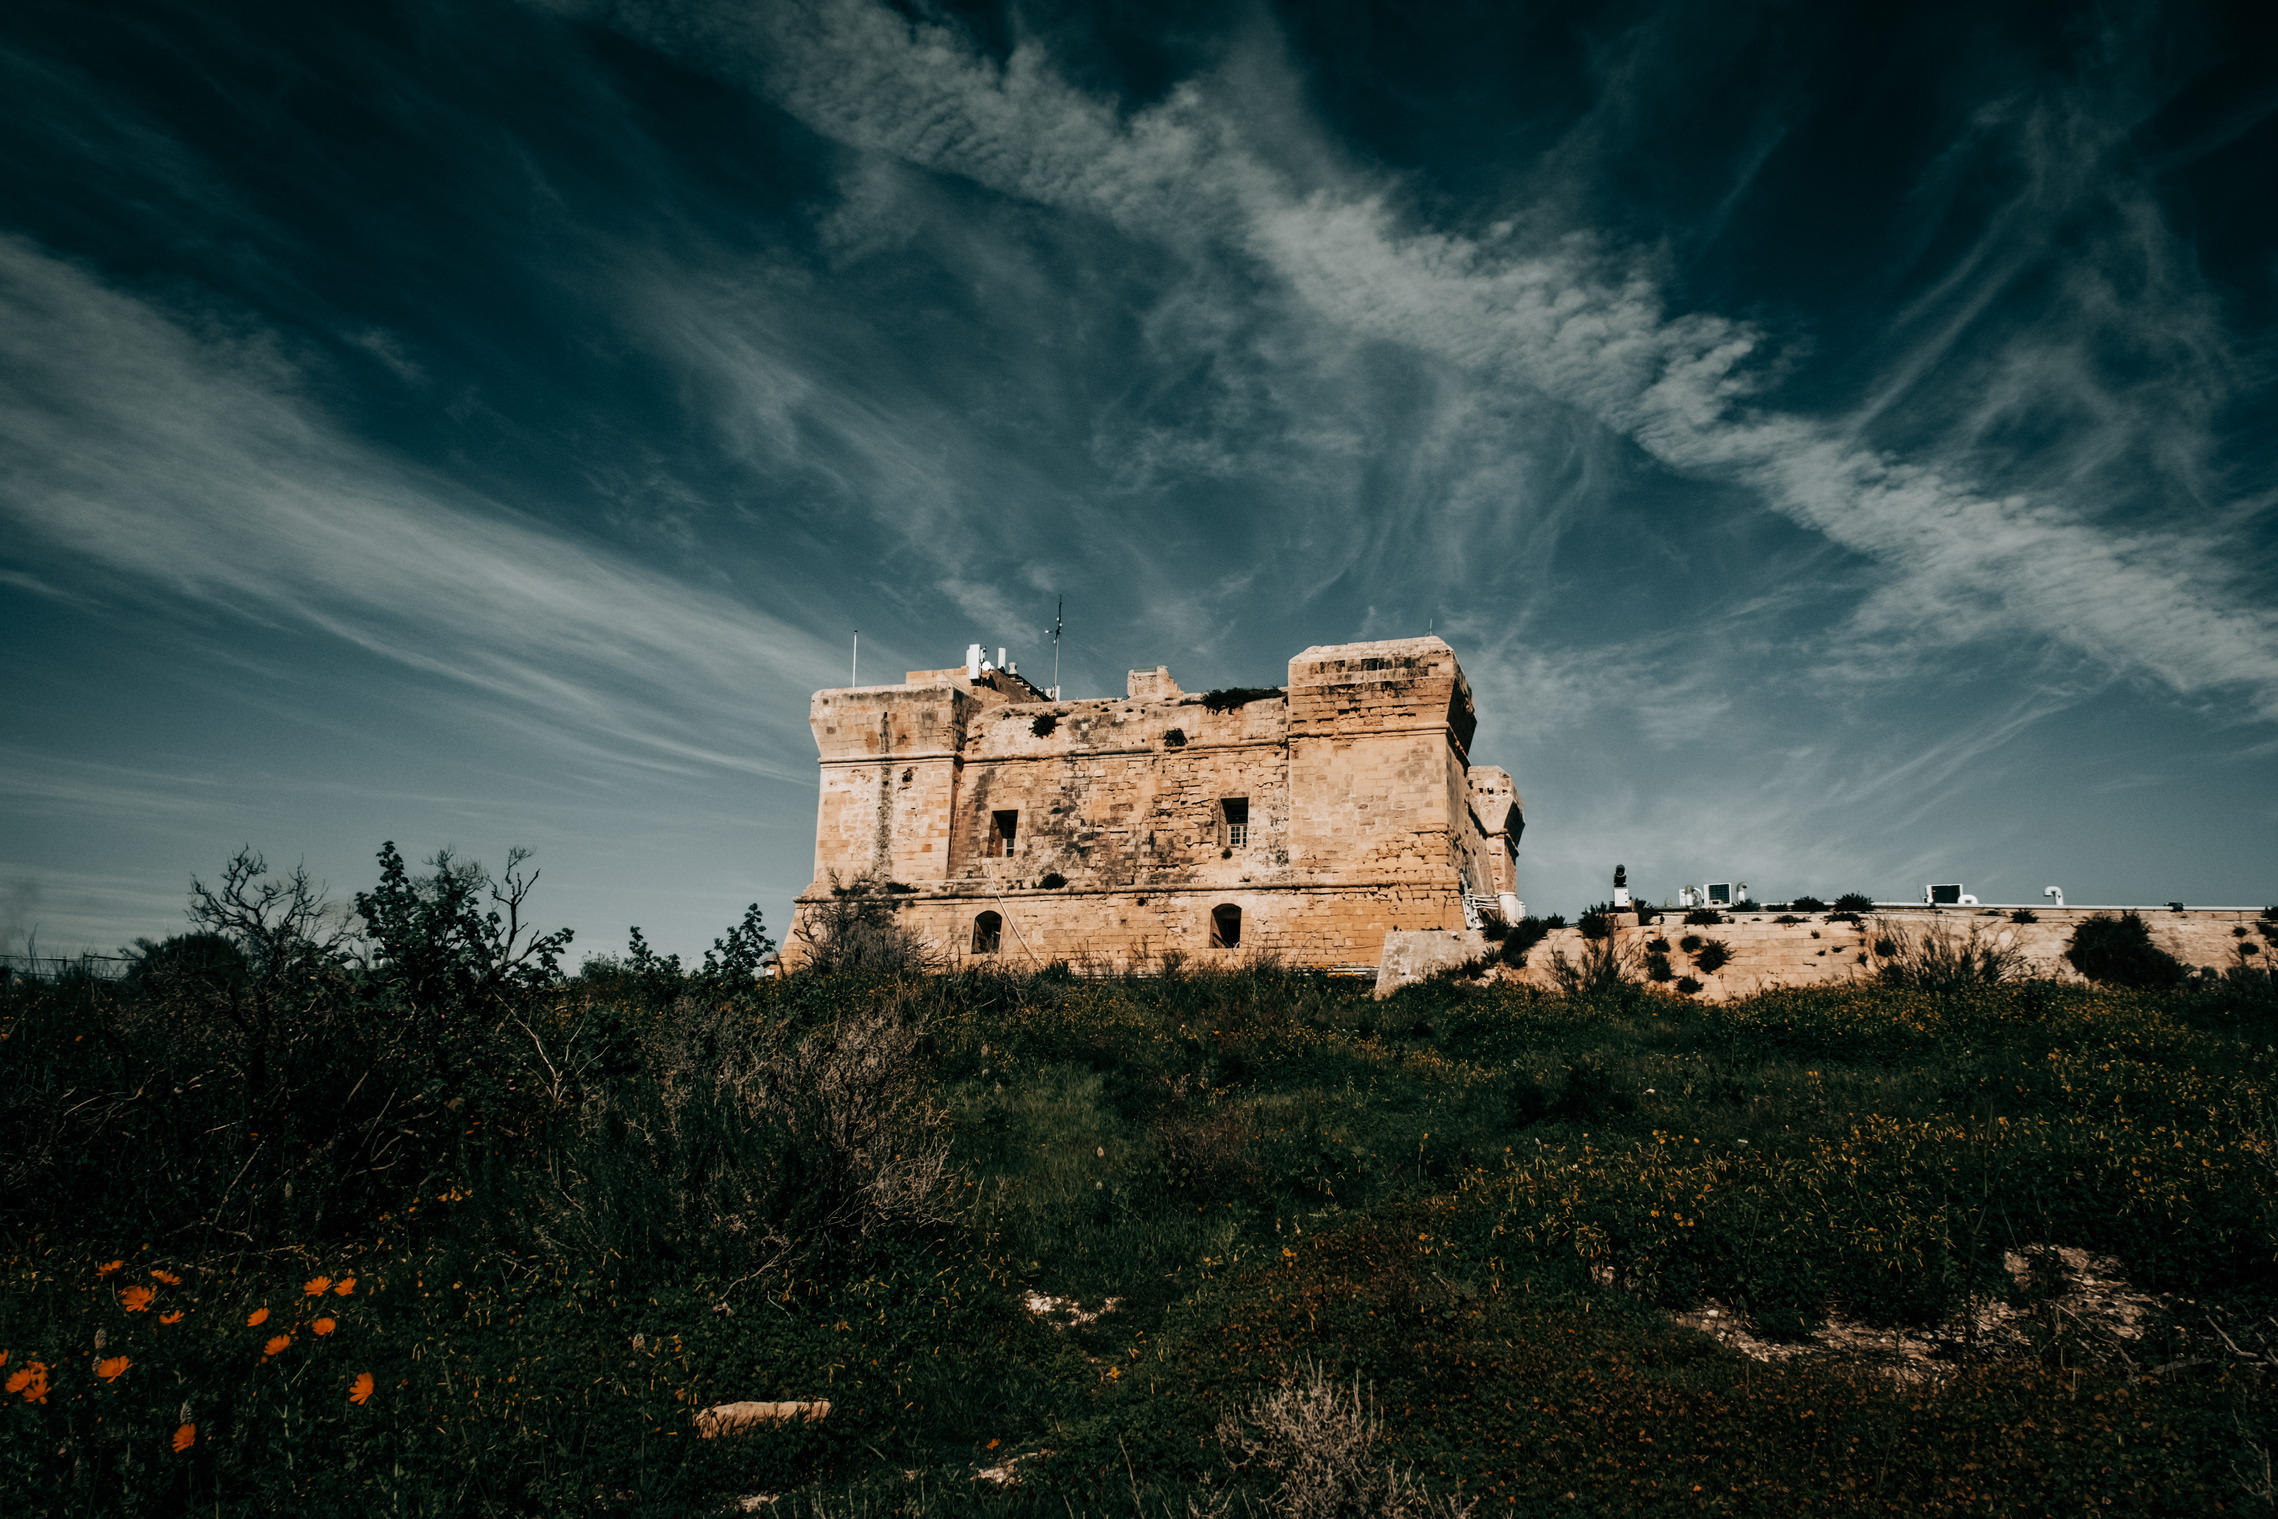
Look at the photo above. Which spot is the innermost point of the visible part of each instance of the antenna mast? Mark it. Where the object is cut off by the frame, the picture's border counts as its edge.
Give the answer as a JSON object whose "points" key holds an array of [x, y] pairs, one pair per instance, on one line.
{"points": [[854, 664], [1056, 617]]}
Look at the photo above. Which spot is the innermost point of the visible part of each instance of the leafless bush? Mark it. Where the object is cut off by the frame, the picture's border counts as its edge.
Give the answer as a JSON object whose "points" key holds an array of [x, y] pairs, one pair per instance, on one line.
{"points": [[280, 926], [1936, 958], [857, 930], [1319, 1439], [1606, 965], [793, 1135]]}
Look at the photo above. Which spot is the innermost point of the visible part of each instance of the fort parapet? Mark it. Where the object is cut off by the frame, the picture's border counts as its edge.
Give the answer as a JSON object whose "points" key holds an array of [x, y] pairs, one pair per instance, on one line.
{"points": [[1306, 821]]}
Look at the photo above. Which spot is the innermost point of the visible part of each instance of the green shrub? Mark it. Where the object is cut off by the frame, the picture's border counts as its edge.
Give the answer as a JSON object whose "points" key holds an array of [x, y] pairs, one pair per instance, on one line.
{"points": [[1807, 904], [1712, 956], [1854, 901], [1703, 917], [1232, 697], [1522, 936], [2119, 952]]}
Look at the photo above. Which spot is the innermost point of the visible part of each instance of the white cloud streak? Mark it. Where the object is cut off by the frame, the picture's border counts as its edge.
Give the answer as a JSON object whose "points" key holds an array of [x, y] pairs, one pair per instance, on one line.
{"points": [[1562, 319], [184, 465]]}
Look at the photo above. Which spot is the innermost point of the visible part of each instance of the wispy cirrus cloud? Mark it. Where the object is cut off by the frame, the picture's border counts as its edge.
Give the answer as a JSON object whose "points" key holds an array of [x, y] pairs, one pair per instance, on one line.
{"points": [[183, 466], [1535, 318]]}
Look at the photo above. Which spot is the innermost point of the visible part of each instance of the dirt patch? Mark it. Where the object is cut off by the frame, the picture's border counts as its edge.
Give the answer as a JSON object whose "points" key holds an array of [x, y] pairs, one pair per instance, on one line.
{"points": [[1066, 1312], [2066, 1298]]}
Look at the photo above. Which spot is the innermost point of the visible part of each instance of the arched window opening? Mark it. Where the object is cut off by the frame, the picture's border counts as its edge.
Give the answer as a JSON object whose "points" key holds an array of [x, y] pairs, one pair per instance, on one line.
{"points": [[988, 933], [1226, 927]]}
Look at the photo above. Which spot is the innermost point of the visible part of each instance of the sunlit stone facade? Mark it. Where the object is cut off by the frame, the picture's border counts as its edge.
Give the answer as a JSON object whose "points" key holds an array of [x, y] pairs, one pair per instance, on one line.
{"points": [[1303, 822]]}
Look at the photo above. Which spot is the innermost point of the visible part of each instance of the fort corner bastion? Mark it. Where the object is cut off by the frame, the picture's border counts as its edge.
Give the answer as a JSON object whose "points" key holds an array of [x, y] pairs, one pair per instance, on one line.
{"points": [[1305, 822]]}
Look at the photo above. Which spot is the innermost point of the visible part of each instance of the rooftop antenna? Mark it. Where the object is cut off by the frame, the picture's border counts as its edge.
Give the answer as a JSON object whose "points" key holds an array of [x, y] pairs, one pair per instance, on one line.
{"points": [[1057, 611], [855, 663]]}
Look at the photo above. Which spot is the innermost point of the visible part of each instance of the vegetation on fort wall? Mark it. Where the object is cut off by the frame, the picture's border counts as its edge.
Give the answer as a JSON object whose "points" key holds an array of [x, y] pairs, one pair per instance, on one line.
{"points": [[414, 1223]]}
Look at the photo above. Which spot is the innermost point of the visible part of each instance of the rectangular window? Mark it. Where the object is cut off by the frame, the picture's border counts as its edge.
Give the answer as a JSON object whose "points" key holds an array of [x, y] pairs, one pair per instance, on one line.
{"points": [[1004, 828], [1234, 821]]}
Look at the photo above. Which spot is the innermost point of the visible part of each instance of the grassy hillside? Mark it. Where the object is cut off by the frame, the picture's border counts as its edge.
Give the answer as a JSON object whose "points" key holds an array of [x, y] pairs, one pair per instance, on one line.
{"points": [[355, 1244]]}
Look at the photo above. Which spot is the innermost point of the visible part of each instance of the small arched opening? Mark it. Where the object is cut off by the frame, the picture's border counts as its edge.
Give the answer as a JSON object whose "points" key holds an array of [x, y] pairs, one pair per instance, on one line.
{"points": [[1226, 927], [988, 933]]}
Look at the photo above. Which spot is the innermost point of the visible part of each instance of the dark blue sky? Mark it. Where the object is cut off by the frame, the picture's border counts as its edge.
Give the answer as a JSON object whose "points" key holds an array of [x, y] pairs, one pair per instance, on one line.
{"points": [[1838, 440]]}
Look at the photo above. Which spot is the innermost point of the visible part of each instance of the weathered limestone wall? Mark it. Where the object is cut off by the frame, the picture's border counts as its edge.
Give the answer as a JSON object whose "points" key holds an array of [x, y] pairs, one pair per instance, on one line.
{"points": [[1768, 954], [1378, 760], [1364, 814], [1410, 957], [1112, 930]]}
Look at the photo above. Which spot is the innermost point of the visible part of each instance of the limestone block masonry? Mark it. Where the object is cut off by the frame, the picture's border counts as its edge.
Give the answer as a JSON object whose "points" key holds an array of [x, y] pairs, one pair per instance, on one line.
{"points": [[1766, 953], [1305, 822]]}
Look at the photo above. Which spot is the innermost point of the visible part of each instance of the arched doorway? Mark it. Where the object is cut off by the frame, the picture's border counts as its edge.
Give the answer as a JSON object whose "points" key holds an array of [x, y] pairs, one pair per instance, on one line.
{"points": [[988, 933]]}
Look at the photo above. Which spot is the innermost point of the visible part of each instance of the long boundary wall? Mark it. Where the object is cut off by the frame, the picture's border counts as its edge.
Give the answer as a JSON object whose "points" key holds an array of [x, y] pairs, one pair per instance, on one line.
{"points": [[1767, 953]]}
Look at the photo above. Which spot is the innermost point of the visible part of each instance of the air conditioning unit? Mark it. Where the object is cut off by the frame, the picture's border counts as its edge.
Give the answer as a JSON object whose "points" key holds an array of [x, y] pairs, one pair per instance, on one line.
{"points": [[1947, 896]]}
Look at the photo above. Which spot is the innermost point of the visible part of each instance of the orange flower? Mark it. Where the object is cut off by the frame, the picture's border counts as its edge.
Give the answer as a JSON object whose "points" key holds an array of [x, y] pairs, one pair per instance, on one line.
{"points": [[316, 1287], [3, 1357], [346, 1286], [171, 1318], [170, 1279], [107, 1270], [18, 1378], [137, 1299], [30, 1380], [112, 1369], [362, 1390], [276, 1345], [185, 1437], [322, 1326], [257, 1316]]}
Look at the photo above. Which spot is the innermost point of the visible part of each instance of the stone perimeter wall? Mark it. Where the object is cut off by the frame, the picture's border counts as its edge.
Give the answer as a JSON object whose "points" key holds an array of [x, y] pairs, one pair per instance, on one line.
{"points": [[1766, 954], [1365, 815]]}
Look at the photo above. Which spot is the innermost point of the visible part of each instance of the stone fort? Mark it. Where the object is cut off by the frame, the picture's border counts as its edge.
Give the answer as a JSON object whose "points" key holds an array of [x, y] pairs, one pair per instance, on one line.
{"points": [[1305, 822]]}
